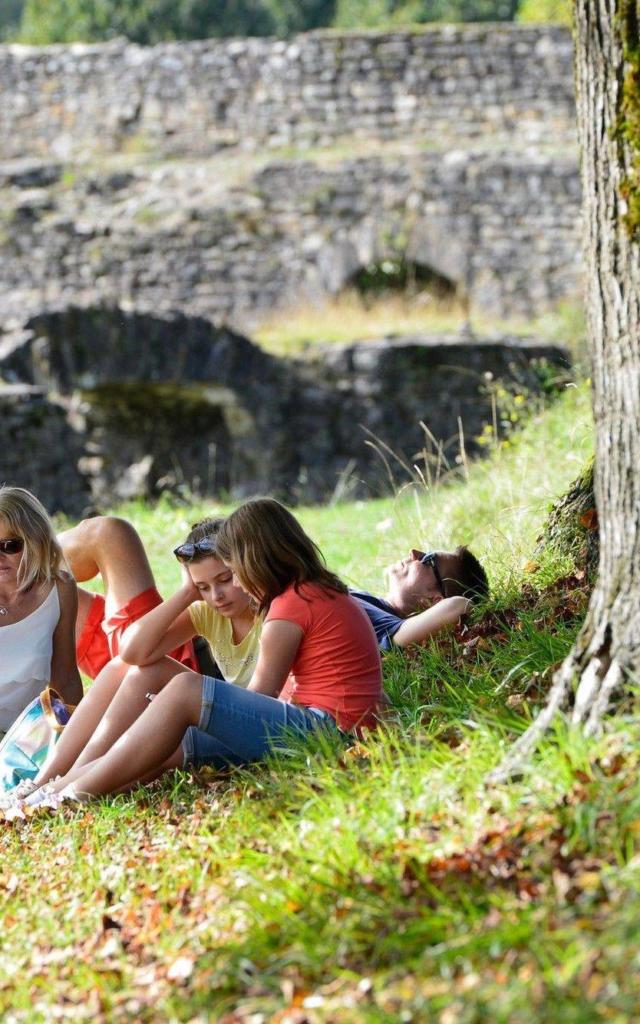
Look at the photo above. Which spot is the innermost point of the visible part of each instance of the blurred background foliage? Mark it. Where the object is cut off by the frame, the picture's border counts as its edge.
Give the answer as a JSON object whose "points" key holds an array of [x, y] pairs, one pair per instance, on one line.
{"points": [[152, 21]]}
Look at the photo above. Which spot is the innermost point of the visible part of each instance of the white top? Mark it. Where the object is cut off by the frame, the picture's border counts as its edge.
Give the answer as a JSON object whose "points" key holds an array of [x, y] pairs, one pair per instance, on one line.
{"points": [[25, 658]]}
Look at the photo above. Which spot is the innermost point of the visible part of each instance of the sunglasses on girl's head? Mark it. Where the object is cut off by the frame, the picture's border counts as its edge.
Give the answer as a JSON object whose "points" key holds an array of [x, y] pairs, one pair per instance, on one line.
{"points": [[188, 551], [12, 546], [430, 558]]}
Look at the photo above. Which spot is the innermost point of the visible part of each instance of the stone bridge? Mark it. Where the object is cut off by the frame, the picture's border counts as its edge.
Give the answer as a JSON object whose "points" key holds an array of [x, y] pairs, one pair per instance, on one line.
{"points": [[116, 404]]}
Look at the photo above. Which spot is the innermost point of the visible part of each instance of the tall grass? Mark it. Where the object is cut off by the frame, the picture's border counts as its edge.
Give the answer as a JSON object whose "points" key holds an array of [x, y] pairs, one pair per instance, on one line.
{"points": [[497, 507]]}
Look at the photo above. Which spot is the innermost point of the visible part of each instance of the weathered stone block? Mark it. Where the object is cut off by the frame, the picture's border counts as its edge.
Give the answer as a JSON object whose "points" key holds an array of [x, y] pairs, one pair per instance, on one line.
{"points": [[40, 449]]}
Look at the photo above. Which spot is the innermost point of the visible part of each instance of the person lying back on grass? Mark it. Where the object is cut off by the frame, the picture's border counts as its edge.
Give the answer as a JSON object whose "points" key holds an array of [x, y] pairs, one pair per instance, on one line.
{"points": [[426, 592]]}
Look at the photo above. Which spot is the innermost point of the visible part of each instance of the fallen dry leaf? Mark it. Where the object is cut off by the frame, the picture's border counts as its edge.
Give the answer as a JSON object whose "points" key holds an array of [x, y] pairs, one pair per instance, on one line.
{"points": [[181, 969], [589, 519]]}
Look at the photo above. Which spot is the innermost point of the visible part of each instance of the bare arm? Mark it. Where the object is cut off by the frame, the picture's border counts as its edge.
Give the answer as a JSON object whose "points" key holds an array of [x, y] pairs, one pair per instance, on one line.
{"points": [[418, 628], [161, 630], [65, 677], [279, 643]]}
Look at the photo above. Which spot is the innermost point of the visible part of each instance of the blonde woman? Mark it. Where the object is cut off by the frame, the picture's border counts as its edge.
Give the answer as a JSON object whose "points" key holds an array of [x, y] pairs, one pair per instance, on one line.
{"points": [[38, 604]]}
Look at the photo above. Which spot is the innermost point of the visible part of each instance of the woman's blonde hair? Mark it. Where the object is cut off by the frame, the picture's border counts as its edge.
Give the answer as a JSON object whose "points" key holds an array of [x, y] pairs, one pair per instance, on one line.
{"points": [[27, 519], [268, 551]]}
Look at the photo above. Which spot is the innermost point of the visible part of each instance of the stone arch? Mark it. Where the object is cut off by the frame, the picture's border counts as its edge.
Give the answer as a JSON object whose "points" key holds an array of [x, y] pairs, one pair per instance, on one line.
{"points": [[161, 402], [148, 438], [429, 260], [398, 274], [444, 242]]}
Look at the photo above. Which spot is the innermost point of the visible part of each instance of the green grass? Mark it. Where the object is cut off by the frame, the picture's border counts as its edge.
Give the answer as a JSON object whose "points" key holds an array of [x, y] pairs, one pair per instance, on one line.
{"points": [[377, 882]]}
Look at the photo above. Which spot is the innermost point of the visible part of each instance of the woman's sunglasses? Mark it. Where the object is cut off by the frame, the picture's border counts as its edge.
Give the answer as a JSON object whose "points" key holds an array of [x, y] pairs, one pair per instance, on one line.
{"points": [[13, 546], [187, 552]]}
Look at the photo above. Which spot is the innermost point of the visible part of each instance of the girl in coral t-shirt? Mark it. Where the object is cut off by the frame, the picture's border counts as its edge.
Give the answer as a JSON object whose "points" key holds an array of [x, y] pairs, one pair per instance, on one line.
{"points": [[318, 664]]}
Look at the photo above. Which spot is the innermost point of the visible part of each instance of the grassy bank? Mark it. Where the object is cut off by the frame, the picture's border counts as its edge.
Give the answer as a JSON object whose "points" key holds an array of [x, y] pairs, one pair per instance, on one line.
{"points": [[377, 882], [351, 317]]}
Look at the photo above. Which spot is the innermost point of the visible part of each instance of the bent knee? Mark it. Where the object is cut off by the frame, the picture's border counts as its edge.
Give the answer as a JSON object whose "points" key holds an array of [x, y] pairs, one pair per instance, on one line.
{"points": [[185, 689], [186, 681], [112, 673], [186, 685], [108, 530], [134, 681]]}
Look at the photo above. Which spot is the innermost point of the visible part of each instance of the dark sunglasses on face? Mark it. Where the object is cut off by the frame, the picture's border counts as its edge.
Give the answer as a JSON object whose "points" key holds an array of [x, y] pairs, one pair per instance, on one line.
{"points": [[13, 546], [188, 551], [430, 558]]}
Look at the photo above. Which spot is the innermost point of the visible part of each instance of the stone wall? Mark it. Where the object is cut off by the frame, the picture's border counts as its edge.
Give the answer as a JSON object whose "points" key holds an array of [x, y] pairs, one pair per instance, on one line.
{"points": [[140, 176], [453, 83], [41, 450], [169, 402], [502, 229], [149, 197]]}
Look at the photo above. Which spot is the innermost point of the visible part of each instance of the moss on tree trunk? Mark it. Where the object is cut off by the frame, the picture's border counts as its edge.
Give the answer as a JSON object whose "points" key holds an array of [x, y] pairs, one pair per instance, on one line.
{"points": [[572, 526]]}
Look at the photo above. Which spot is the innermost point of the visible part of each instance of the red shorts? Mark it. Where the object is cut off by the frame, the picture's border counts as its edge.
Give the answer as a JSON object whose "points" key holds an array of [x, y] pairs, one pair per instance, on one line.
{"points": [[99, 641]]}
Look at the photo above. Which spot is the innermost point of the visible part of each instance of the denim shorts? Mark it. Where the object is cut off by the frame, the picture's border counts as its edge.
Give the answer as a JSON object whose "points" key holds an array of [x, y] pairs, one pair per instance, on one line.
{"points": [[238, 726]]}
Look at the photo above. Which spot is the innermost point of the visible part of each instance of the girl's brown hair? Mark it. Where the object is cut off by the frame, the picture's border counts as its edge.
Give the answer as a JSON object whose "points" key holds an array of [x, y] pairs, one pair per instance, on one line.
{"points": [[27, 519], [268, 551], [207, 528]]}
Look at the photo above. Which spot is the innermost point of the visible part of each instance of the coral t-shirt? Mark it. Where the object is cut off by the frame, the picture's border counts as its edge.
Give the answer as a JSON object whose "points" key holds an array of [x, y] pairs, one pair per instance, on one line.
{"points": [[337, 666]]}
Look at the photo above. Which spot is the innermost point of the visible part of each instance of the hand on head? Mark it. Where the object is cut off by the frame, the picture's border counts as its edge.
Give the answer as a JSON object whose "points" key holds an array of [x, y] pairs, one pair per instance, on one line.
{"points": [[188, 585], [205, 576]]}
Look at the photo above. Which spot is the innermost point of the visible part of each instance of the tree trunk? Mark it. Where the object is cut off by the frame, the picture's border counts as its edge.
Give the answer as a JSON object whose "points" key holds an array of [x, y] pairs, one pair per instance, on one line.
{"points": [[572, 526], [607, 650]]}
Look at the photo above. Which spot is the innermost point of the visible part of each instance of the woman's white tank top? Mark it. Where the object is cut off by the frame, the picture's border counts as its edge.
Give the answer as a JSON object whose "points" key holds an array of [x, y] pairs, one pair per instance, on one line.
{"points": [[25, 658]]}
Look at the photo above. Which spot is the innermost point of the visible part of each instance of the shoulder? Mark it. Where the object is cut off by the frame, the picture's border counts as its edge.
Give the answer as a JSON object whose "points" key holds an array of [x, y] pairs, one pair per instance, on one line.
{"points": [[288, 598], [67, 588], [371, 602], [295, 604]]}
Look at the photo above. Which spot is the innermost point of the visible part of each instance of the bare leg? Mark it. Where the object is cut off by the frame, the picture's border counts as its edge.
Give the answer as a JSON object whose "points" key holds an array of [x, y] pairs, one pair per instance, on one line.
{"points": [[115, 700], [83, 722], [149, 742], [128, 704], [110, 547], [176, 760]]}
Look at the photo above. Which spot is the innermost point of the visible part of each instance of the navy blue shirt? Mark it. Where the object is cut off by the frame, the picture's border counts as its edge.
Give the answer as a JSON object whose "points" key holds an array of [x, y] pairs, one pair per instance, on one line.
{"points": [[385, 621]]}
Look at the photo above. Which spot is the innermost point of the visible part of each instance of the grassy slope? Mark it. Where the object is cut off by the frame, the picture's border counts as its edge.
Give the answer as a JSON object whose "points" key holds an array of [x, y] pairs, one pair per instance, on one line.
{"points": [[378, 883]]}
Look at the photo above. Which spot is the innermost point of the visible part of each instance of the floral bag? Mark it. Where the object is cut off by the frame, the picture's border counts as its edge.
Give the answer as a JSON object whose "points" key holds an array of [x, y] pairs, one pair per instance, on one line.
{"points": [[32, 737]]}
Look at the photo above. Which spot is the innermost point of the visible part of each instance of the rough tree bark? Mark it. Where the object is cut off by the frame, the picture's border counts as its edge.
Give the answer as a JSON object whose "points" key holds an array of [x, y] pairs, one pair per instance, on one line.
{"points": [[607, 650]]}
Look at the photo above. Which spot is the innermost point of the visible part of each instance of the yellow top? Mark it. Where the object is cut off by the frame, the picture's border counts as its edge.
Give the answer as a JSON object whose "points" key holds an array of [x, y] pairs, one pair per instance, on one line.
{"points": [[235, 661]]}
